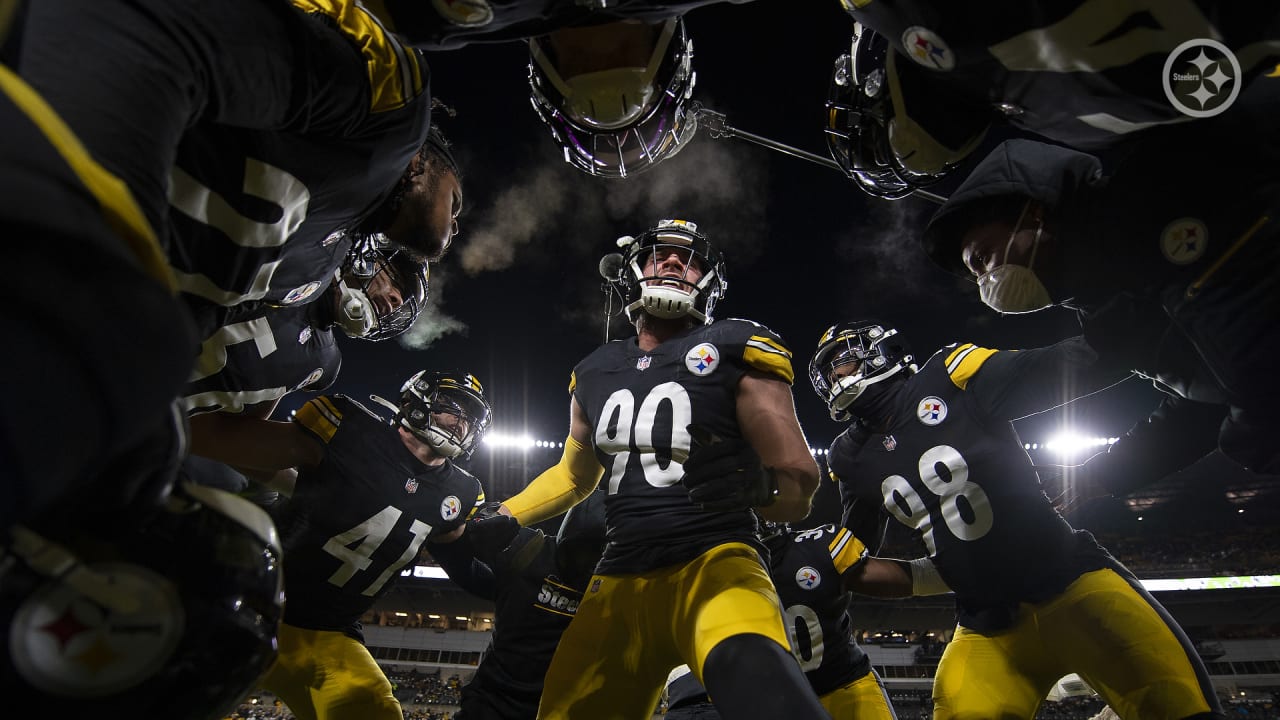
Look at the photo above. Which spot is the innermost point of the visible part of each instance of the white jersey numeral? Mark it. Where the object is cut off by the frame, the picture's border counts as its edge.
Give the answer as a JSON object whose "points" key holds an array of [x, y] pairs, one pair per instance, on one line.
{"points": [[966, 509], [619, 422], [809, 653], [355, 548]]}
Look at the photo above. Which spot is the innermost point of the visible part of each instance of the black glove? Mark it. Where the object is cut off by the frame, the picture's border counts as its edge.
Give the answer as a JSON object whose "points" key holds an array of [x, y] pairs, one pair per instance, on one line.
{"points": [[725, 475], [490, 532]]}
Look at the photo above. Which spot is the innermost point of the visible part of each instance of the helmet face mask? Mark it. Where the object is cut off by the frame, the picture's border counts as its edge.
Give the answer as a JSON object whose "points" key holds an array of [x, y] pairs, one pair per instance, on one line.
{"points": [[373, 256], [621, 121], [446, 410], [850, 358], [645, 289], [861, 120]]}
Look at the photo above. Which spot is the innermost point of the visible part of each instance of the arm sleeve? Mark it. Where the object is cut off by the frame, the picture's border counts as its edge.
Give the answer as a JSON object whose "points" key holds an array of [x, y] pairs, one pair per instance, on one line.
{"points": [[559, 487], [1016, 383], [1178, 433]]}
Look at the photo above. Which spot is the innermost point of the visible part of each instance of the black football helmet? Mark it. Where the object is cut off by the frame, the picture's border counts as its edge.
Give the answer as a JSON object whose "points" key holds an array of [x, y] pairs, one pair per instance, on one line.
{"points": [[670, 297], [622, 121], [864, 345], [870, 134], [370, 256], [169, 612], [451, 393]]}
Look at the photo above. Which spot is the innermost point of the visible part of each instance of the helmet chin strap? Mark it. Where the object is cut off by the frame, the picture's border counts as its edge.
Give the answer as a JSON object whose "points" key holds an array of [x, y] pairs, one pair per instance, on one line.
{"points": [[356, 314]]}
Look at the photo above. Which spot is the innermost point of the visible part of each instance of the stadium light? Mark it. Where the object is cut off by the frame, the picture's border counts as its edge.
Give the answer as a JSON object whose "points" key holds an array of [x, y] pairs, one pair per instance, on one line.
{"points": [[1070, 444], [503, 440]]}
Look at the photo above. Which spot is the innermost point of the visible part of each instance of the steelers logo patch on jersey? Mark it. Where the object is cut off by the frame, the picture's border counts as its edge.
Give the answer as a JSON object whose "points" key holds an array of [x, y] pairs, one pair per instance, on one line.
{"points": [[1184, 240], [302, 292], [464, 13], [931, 410], [67, 644], [304, 336], [808, 578], [450, 507], [702, 359], [926, 48]]}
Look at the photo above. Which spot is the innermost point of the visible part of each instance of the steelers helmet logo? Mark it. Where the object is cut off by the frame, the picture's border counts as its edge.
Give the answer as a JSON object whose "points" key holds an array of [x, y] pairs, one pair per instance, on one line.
{"points": [[808, 578], [450, 507], [1184, 240], [703, 359], [66, 644], [926, 48], [302, 292], [931, 410], [1201, 77]]}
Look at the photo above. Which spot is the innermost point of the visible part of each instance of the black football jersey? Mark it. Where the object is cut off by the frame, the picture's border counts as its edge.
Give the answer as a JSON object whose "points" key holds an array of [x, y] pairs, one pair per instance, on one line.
{"points": [[1086, 73], [639, 405], [951, 467], [361, 515], [263, 356], [253, 212], [807, 569], [533, 606], [449, 25]]}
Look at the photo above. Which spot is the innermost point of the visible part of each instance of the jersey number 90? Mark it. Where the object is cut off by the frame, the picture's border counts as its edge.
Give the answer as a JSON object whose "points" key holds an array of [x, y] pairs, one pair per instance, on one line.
{"points": [[621, 425]]}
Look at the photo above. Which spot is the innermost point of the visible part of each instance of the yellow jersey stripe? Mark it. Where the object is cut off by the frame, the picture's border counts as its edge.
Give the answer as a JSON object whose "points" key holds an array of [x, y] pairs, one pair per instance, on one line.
{"points": [[834, 478], [476, 506], [573, 382], [320, 417], [118, 206], [846, 550], [766, 357], [964, 363], [395, 77], [766, 343]]}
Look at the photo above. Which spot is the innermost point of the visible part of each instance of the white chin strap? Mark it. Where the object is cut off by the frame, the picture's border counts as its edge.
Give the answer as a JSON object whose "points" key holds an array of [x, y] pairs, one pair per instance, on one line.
{"points": [[441, 442], [667, 302], [356, 314]]}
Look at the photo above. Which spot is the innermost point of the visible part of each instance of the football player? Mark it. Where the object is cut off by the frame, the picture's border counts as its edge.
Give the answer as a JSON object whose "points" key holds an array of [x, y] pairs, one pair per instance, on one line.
{"points": [[367, 495], [536, 584], [249, 364], [815, 572], [934, 449], [118, 593], [1171, 274], [694, 423], [924, 80], [260, 123]]}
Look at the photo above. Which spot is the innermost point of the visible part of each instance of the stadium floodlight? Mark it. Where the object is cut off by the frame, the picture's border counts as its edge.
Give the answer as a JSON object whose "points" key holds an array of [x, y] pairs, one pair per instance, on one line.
{"points": [[1070, 444], [503, 440]]}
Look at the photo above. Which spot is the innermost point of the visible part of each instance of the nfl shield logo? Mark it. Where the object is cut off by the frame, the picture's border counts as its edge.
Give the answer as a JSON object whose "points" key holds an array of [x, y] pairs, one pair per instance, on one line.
{"points": [[644, 363], [411, 486], [890, 443]]}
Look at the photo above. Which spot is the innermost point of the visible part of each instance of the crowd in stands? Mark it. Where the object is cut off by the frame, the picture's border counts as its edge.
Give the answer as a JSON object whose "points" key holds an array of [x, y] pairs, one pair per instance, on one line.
{"points": [[1247, 552]]}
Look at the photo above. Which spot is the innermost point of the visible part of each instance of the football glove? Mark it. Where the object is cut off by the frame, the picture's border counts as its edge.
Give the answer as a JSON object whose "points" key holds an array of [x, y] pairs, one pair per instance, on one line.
{"points": [[726, 475], [489, 532]]}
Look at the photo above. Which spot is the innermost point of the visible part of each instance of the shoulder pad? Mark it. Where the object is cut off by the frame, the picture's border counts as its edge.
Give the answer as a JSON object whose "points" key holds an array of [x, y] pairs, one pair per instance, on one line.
{"points": [[762, 348], [963, 362]]}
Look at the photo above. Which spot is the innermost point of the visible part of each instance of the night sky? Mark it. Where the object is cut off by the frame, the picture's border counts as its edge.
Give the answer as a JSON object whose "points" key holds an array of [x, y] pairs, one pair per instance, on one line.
{"points": [[518, 300]]}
